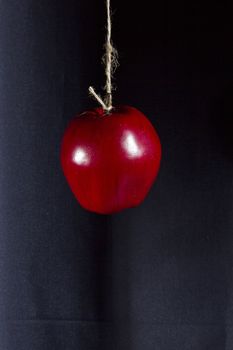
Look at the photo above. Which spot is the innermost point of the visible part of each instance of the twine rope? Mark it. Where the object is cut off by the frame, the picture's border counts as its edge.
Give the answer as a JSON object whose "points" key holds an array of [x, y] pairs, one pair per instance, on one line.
{"points": [[110, 60]]}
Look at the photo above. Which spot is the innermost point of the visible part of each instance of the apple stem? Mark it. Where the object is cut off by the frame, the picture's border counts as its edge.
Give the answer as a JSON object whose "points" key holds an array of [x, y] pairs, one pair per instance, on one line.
{"points": [[97, 97], [110, 59]]}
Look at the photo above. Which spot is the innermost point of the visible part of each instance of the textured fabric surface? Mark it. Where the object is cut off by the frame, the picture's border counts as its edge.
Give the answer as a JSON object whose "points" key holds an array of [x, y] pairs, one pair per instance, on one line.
{"points": [[155, 277]]}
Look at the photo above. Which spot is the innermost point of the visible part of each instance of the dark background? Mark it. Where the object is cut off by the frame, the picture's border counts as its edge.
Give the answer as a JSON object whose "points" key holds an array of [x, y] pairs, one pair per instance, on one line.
{"points": [[157, 277]]}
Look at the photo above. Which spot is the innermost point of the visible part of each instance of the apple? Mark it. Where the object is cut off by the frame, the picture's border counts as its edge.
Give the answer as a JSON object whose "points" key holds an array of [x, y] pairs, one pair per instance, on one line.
{"points": [[110, 160]]}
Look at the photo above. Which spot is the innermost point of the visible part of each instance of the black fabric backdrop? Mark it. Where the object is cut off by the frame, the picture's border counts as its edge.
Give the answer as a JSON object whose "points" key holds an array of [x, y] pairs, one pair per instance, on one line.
{"points": [[158, 277]]}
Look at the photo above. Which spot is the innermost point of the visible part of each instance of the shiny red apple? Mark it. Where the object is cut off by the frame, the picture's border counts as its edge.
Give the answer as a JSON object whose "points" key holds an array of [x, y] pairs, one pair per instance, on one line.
{"points": [[110, 160]]}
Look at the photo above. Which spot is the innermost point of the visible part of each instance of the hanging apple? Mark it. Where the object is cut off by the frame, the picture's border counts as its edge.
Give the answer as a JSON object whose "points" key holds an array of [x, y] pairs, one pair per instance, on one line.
{"points": [[110, 155], [110, 160]]}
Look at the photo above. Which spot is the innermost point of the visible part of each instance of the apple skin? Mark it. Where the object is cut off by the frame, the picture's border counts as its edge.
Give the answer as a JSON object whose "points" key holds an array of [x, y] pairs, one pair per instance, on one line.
{"points": [[110, 160]]}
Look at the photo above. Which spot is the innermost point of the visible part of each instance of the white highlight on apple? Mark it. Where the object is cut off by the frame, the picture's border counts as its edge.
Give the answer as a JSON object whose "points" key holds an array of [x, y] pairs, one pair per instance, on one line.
{"points": [[81, 157], [131, 146]]}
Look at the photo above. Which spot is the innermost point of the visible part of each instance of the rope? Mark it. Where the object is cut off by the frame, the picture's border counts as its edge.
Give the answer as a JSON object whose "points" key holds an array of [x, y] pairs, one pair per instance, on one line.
{"points": [[111, 63]]}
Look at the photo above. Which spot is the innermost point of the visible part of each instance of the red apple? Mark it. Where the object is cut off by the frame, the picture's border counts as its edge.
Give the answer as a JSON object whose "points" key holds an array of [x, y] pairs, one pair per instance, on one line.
{"points": [[110, 160]]}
